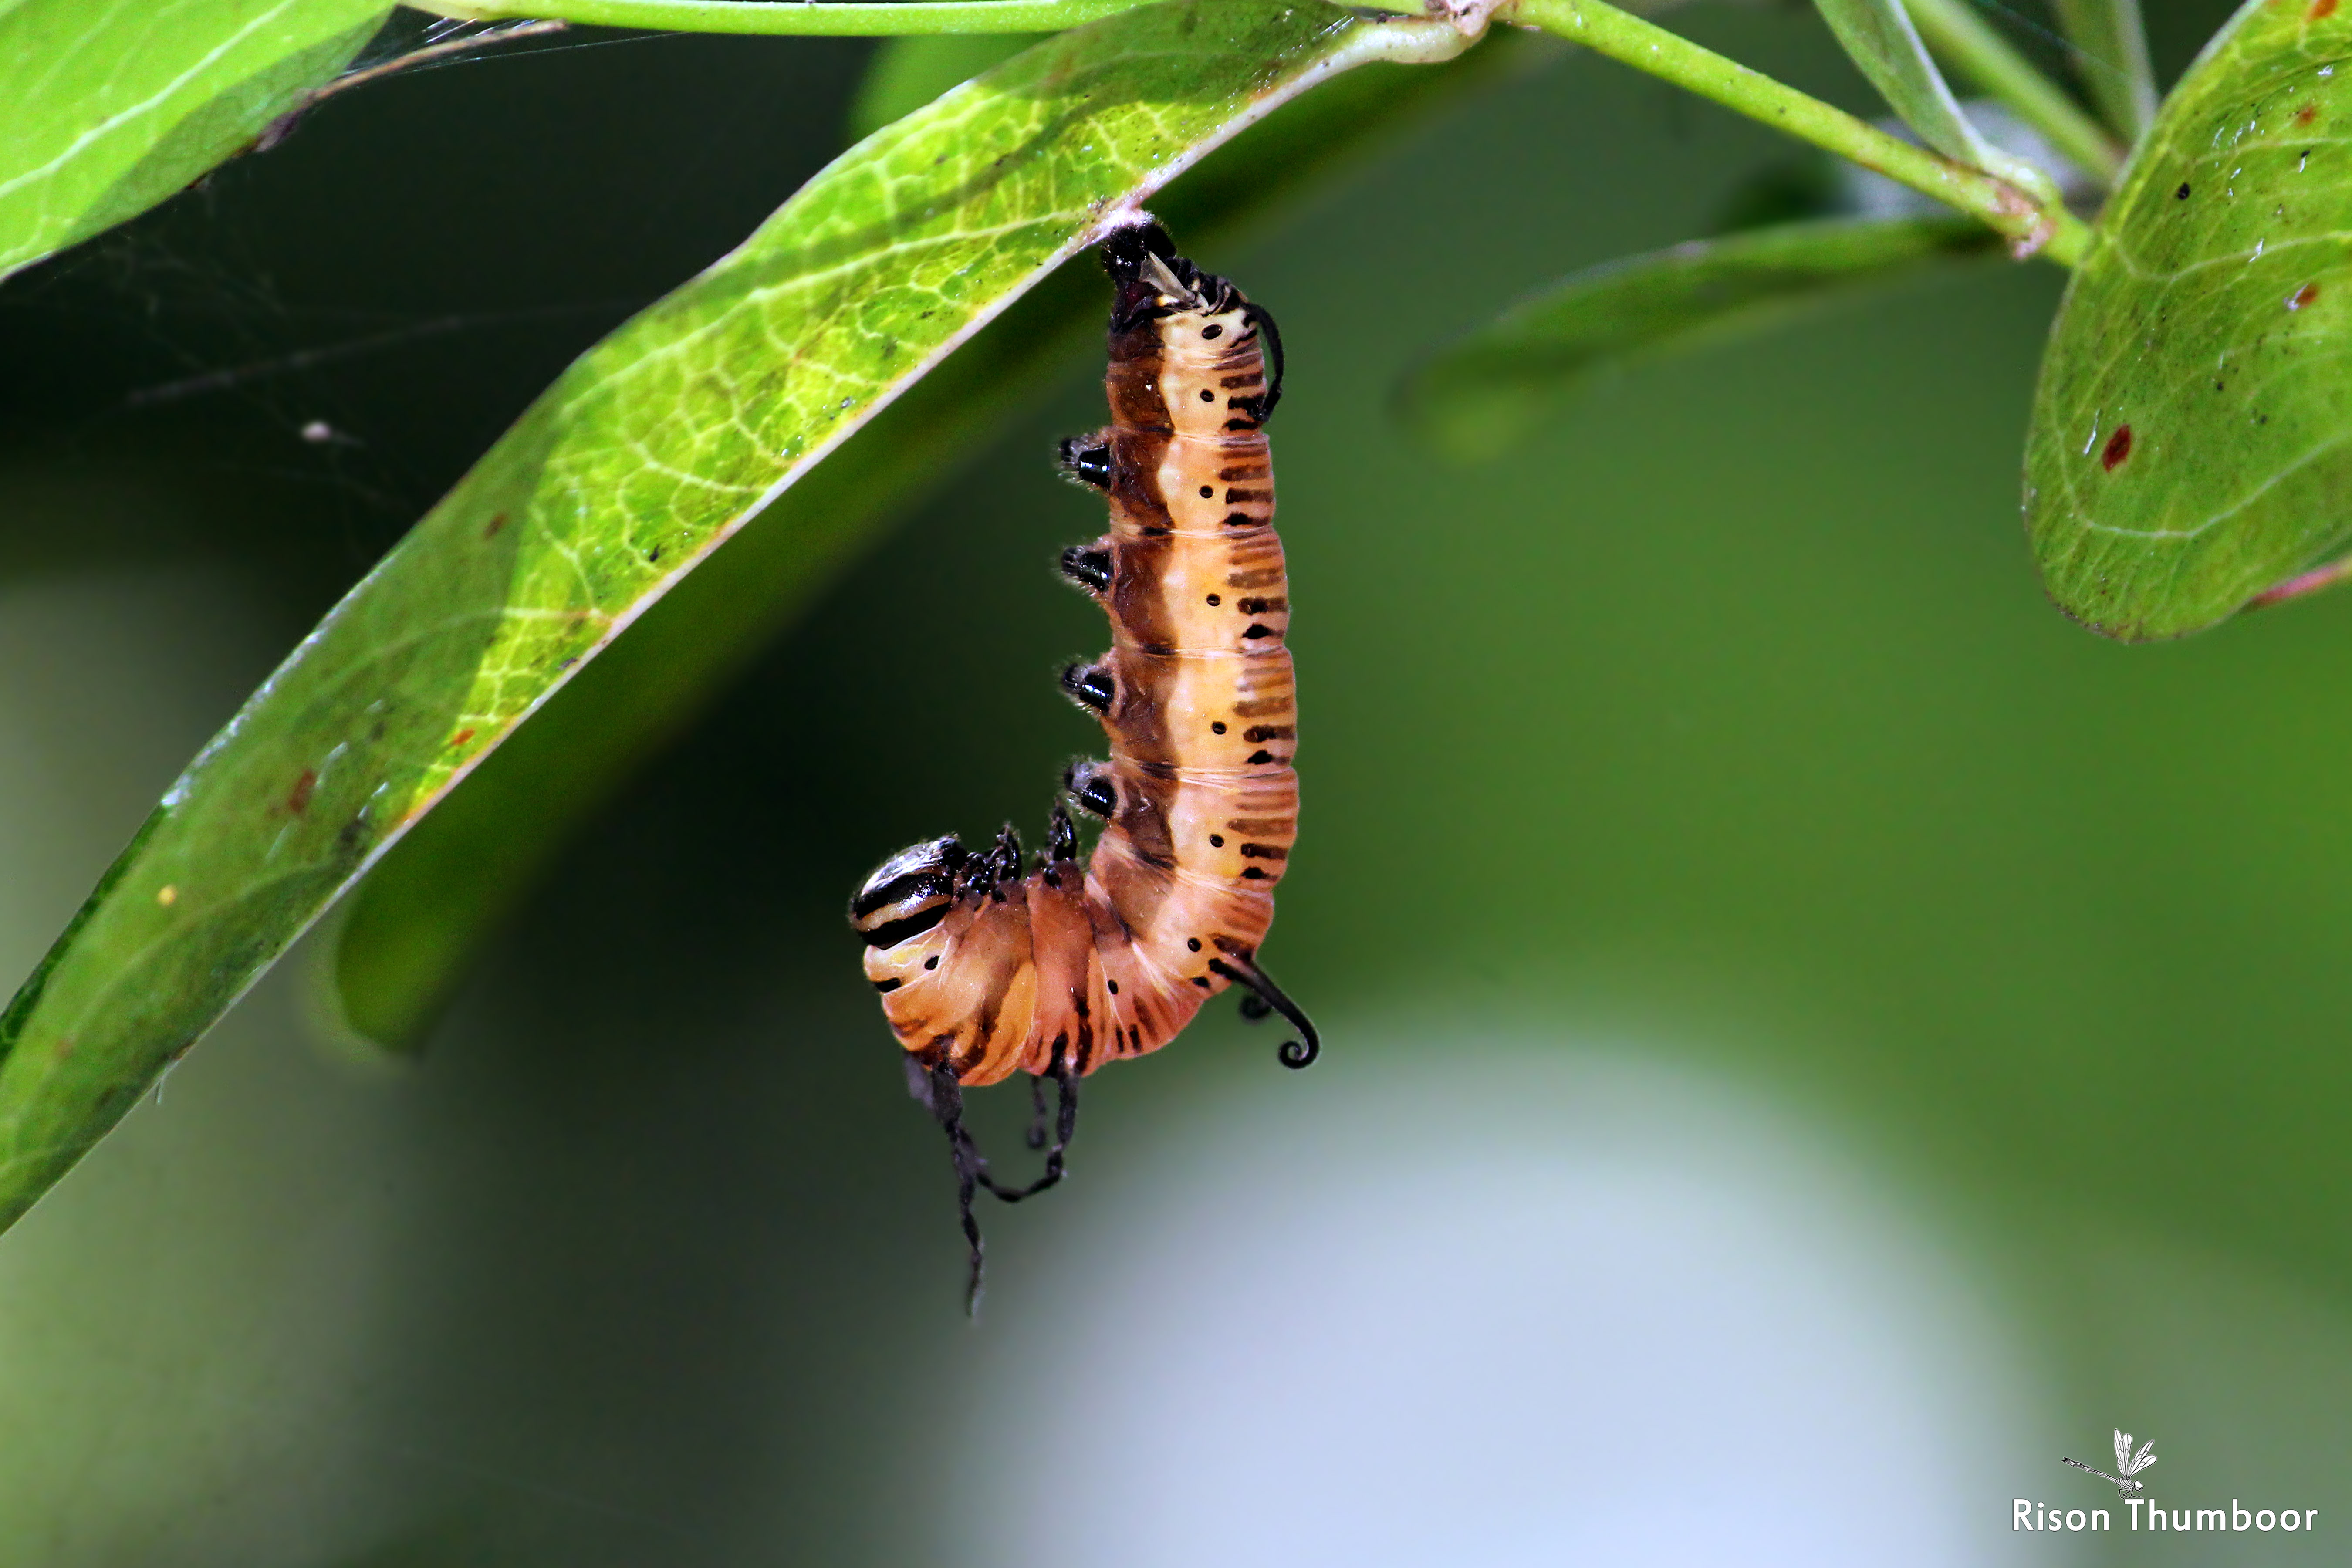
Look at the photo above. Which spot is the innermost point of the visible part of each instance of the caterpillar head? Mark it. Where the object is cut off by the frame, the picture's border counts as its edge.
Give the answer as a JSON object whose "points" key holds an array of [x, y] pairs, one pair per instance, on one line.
{"points": [[909, 893], [1153, 280]]}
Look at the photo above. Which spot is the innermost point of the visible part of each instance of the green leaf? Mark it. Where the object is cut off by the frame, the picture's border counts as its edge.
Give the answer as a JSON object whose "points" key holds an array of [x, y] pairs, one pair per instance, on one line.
{"points": [[908, 72], [652, 450], [1882, 40], [108, 107], [1960, 36], [410, 926], [2111, 57], [1482, 394], [2191, 442]]}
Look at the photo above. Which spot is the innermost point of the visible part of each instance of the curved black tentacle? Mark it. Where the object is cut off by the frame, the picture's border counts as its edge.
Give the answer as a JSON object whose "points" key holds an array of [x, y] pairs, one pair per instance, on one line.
{"points": [[1296, 1053], [1263, 404]]}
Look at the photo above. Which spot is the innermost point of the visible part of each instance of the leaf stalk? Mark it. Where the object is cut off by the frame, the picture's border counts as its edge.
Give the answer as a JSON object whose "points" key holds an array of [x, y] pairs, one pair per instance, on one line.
{"points": [[2304, 585], [2037, 224]]}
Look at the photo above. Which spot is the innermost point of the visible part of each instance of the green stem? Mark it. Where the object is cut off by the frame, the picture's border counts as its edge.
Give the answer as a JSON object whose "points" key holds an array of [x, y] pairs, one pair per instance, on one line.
{"points": [[2050, 230], [1968, 44], [847, 18]]}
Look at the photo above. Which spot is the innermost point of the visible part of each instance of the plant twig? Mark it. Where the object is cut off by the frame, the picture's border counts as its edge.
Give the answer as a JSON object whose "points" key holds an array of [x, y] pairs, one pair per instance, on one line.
{"points": [[2035, 225], [834, 18], [1967, 42]]}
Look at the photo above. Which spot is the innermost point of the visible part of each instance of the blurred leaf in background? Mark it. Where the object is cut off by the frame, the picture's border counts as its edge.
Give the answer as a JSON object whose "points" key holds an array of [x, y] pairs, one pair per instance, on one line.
{"points": [[2110, 60], [1485, 392]]}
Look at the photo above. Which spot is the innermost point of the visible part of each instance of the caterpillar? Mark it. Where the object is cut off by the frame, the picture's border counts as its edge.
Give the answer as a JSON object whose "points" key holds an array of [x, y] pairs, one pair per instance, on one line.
{"points": [[985, 971]]}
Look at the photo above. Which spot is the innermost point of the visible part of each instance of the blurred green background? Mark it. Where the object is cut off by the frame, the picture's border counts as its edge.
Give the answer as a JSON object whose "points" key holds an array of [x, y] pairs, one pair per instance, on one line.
{"points": [[1810, 1036]]}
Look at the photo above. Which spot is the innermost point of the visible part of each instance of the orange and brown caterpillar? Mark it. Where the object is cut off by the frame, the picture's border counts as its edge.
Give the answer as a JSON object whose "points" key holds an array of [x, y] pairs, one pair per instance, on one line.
{"points": [[985, 972]]}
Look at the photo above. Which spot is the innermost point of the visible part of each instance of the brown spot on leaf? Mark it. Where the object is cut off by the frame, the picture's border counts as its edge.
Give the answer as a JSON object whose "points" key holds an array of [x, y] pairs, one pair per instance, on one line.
{"points": [[2118, 447], [461, 737], [2302, 296], [2321, 10], [2306, 115], [297, 799], [490, 529]]}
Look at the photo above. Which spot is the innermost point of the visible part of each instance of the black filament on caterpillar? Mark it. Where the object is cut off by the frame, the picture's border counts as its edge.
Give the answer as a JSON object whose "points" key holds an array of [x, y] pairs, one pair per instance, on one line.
{"points": [[985, 971]]}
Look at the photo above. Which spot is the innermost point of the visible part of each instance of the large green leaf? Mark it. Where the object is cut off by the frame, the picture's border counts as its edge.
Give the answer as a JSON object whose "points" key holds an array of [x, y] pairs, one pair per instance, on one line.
{"points": [[409, 929], [2192, 433], [906, 73], [1483, 393], [108, 107], [647, 454]]}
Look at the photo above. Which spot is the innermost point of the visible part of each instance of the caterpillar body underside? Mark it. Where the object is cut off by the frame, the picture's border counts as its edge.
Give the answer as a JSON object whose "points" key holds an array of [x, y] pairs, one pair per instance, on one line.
{"points": [[986, 969]]}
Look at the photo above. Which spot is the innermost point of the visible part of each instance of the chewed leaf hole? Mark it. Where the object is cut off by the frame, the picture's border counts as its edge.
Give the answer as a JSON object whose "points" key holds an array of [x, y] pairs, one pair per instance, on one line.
{"points": [[2118, 447]]}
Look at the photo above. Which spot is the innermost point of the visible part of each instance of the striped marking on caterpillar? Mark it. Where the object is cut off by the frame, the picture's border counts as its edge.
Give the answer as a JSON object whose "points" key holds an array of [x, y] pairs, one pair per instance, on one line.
{"points": [[984, 970]]}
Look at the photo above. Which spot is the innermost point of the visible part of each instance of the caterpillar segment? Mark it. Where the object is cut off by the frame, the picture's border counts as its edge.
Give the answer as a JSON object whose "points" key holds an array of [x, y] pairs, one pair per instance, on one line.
{"points": [[986, 968]]}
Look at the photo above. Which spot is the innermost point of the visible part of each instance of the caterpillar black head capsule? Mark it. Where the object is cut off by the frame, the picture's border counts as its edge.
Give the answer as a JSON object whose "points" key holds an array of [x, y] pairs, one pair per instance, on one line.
{"points": [[1153, 281], [909, 893]]}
